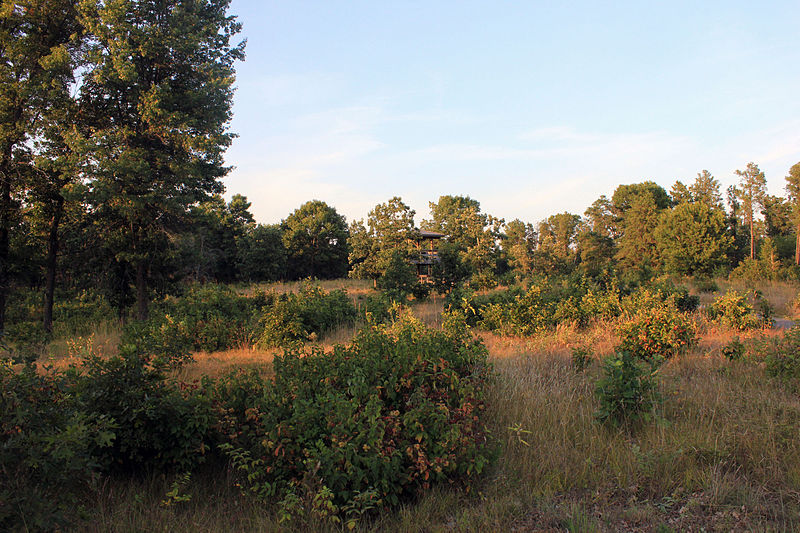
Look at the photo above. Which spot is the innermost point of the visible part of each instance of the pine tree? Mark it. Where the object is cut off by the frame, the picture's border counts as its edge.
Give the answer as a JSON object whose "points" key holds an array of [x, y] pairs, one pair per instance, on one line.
{"points": [[160, 87]]}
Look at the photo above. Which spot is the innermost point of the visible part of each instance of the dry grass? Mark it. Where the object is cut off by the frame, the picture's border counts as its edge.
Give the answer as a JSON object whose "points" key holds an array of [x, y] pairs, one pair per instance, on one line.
{"points": [[722, 454], [354, 287], [218, 363], [779, 294]]}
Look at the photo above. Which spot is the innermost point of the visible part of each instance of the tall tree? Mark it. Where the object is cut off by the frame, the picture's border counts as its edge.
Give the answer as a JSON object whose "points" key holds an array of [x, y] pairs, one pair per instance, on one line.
{"points": [[474, 233], [35, 39], [601, 218], [261, 255], [705, 190], [793, 188], [637, 247], [680, 193], [160, 87], [777, 214], [692, 238], [558, 233], [389, 230], [315, 238], [519, 244], [752, 188]]}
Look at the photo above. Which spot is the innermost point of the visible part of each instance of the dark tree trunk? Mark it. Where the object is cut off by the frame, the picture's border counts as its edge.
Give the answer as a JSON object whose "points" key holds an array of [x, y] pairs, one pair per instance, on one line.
{"points": [[797, 245], [52, 259], [5, 227], [141, 290]]}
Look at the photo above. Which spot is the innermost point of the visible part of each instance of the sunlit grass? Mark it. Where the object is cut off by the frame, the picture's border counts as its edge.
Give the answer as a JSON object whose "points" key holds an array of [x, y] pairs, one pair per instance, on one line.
{"points": [[721, 452]]}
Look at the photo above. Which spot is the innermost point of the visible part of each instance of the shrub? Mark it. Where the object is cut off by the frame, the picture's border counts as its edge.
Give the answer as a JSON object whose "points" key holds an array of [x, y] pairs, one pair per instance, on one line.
{"points": [[602, 305], [734, 350], [735, 311], [46, 465], [374, 308], [782, 356], [208, 317], [304, 316], [657, 331], [160, 424], [399, 280], [581, 358], [362, 425], [706, 285], [627, 392]]}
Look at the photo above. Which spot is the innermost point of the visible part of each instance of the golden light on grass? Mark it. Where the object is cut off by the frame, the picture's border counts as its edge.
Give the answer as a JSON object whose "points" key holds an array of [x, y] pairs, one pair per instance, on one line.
{"points": [[722, 451]]}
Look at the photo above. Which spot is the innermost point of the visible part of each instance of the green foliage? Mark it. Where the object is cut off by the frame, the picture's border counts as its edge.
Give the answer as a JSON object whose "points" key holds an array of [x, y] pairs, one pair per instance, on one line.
{"points": [[692, 238], [656, 329], [46, 442], [399, 279], [306, 315], [581, 358], [260, 254], [375, 308], [389, 230], [734, 350], [706, 285], [315, 237], [734, 310], [363, 425], [207, 317], [782, 357], [159, 425], [627, 392], [450, 271]]}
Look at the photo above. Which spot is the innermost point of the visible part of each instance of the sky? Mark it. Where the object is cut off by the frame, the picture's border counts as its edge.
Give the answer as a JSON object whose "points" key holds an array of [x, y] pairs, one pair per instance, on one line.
{"points": [[530, 107]]}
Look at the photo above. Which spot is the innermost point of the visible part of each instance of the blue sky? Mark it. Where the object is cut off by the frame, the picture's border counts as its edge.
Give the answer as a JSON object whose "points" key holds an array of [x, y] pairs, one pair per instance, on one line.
{"points": [[531, 108]]}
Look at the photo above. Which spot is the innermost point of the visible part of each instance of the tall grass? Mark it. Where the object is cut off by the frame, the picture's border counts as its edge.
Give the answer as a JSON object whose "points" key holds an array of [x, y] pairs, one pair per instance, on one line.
{"points": [[722, 454]]}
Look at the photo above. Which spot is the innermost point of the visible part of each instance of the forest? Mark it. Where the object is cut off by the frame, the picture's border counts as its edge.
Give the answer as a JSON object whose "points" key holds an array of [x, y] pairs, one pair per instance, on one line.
{"points": [[166, 362]]}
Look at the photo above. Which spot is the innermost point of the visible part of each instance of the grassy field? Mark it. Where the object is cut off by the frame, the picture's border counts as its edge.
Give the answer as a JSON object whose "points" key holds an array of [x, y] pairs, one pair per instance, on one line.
{"points": [[722, 453]]}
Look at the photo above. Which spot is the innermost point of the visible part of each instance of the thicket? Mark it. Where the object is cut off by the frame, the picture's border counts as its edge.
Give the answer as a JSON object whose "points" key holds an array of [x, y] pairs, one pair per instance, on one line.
{"points": [[367, 424], [736, 310], [548, 302], [364, 426], [782, 357], [207, 317], [303, 316]]}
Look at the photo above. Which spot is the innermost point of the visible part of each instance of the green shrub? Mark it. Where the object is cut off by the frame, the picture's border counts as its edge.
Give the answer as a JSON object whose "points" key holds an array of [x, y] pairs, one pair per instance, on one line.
{"points": [[208, 317], [581, 358], [374, 308], [657, 331], [734, 350], [706, 285], [782, 356], [46, 464], [79, 314], [627, 392], [362, 425], [305, 316], [73, 313], [399, 280], [601, 305], [532, 312], [160, 424], [735, 311]]}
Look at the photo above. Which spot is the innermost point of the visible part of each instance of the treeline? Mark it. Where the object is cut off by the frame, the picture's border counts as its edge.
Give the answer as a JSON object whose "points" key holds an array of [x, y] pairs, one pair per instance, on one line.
{"points": [[642, 230], [114, 124]]}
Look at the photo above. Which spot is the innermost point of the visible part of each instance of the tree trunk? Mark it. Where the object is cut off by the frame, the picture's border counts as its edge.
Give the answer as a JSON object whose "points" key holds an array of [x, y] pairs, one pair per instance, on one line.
{"points": [[52, 259], [797, 245], [752, 241], [5, 227], [141, 290]]}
